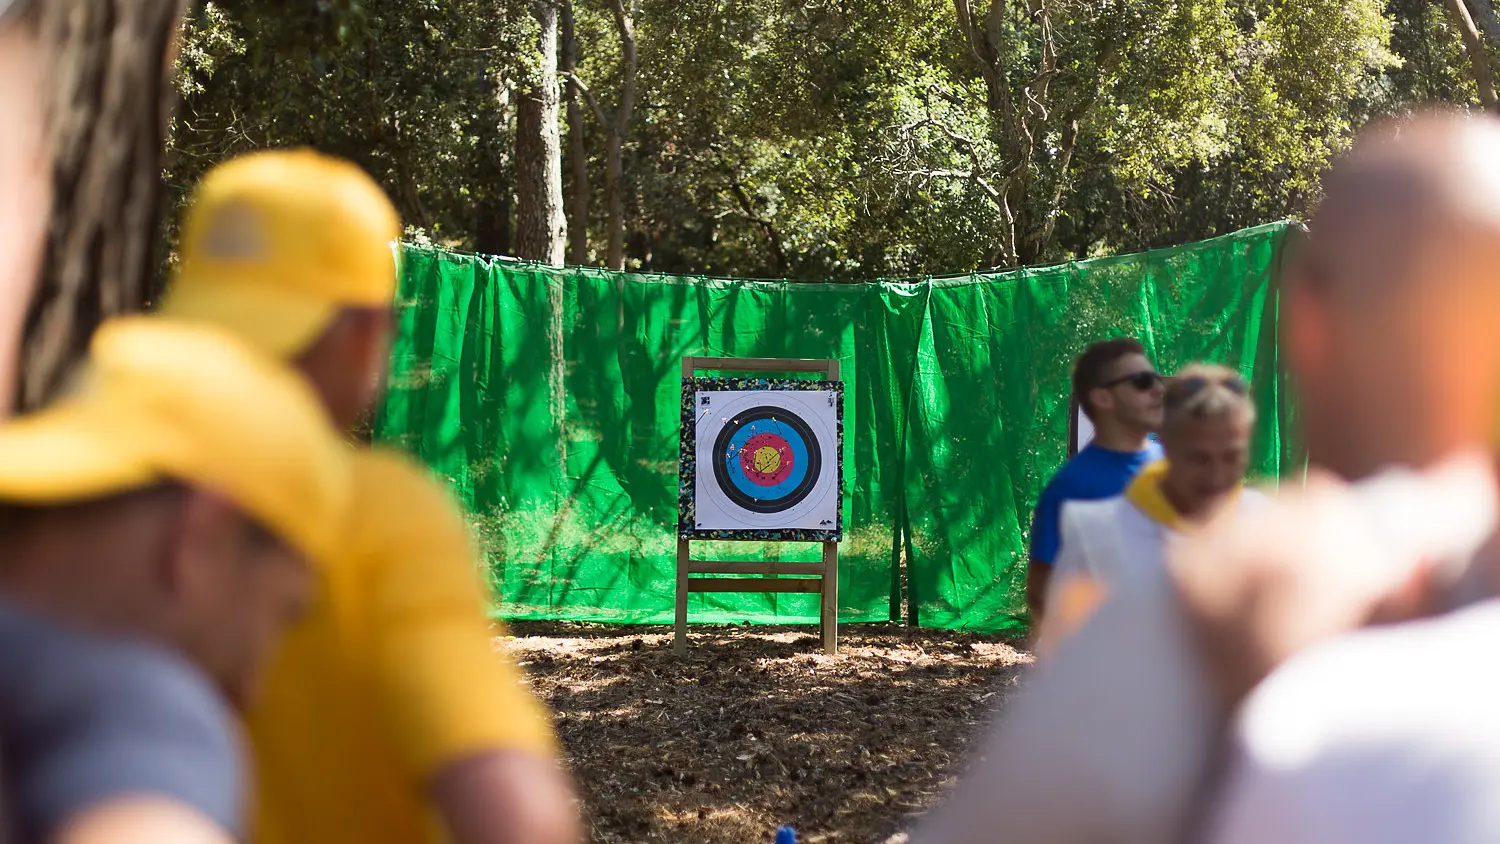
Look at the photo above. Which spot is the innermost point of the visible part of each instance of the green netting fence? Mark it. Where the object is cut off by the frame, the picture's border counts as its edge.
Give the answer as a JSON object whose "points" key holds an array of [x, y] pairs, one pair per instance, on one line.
{"points": [[549, 399]]}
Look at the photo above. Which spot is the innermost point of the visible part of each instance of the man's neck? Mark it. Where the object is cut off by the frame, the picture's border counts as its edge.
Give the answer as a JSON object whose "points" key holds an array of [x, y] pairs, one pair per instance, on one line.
{"points": [[1117, 437]]}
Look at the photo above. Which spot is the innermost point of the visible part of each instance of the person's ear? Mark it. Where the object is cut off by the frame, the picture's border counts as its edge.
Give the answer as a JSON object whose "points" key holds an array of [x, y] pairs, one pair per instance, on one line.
{"points": [[374, 328], [1305, 331], [205, 537], [1102, 399]]}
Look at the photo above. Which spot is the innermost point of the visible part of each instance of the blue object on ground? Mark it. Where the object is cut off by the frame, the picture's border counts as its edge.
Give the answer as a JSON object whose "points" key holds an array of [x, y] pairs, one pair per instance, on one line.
{"points": [[786, 835]]}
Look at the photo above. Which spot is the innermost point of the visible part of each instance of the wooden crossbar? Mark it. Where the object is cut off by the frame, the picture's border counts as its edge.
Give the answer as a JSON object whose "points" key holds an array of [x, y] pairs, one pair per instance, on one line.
{"points": [[736, 567], [691, 365], [755, 584]]}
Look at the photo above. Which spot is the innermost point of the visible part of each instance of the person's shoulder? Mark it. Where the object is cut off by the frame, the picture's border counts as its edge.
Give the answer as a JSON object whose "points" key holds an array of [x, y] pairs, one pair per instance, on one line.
{"points": [[96, 719], [141, 681], [1340, 694], [117, 689], [1383, 735], [1252, 500], [409, 534], [67, 669], [1083, 512], [383, 474], [398, 501], [1072, 473]]}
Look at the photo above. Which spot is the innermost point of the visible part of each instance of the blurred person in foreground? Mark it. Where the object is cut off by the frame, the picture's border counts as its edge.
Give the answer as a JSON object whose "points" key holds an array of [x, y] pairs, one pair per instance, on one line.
{"points": [[389, 716], [25, 179], [1251, 641], [1121, 393], [158, 527], [1207, 422]]}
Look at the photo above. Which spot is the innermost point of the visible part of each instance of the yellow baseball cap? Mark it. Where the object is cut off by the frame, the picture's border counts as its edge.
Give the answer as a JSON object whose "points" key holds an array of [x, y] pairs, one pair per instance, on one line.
{"points": [[276, 243], [168, 400]]}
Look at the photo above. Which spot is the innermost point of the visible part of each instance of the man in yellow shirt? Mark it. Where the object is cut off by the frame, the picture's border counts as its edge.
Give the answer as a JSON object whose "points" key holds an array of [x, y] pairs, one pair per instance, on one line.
{"points": [[387, 716]]}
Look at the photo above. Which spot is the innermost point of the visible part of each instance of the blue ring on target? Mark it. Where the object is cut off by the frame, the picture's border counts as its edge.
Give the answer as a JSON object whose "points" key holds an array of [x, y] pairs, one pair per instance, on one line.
{"points": [[729, 473]]}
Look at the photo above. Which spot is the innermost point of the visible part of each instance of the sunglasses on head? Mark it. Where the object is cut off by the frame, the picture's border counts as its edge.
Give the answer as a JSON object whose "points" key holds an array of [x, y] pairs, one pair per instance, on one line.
{"points": [[1186, 388], [1142, 381]]}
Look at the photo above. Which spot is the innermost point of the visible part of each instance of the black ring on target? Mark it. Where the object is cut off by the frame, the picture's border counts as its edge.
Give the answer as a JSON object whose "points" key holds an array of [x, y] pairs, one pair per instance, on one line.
{"points": [[783, 417]]}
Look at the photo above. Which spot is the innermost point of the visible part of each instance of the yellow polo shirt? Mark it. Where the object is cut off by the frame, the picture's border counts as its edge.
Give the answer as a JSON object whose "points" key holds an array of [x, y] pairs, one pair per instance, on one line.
{"points": [[390, 678]]}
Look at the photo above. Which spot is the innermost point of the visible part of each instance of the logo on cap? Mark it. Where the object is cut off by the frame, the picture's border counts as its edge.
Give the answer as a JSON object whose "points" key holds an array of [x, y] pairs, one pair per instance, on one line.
{"points": [[235, 232]]}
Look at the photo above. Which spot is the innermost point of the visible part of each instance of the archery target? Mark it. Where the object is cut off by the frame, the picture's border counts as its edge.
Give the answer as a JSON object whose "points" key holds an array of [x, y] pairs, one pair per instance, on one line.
{"points": [[766, 460]]}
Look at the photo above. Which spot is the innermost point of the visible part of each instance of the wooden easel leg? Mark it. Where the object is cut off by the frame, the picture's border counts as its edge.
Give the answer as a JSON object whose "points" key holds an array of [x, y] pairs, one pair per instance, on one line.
{"points": [[830, 610], [679, 635]]}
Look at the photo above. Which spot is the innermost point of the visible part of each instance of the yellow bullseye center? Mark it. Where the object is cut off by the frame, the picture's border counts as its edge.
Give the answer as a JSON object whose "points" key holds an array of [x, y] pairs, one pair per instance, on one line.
{"points": [[766, 460]]}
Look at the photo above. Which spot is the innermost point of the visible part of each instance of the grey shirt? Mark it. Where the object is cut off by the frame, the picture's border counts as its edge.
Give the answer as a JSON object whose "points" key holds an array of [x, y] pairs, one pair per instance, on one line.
{"points": [[84, 720]]}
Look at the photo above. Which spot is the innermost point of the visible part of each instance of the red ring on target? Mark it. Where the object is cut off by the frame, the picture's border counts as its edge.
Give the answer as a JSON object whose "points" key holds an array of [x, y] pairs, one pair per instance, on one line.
{"points": [[766, 459]]}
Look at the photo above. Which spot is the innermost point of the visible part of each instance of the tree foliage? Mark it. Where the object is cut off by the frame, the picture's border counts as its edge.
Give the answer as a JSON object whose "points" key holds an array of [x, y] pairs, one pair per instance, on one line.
{"points": [[830, 138]]}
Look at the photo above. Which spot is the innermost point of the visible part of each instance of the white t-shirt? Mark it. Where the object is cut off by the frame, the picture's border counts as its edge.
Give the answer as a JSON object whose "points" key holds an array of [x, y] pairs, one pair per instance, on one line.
{"points": [[1385, 736], [1112, 540]]}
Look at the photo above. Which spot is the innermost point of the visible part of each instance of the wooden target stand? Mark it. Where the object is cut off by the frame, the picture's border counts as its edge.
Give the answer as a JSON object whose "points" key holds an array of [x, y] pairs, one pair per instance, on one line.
{"points": [[761, 576]]}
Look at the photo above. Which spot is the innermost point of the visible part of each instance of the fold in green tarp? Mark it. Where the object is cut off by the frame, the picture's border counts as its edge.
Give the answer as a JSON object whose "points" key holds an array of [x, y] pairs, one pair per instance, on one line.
{"points": [[549, 400]]}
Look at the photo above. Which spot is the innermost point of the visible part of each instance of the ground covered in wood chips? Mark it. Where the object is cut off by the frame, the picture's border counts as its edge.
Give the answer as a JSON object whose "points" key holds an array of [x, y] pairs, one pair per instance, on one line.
{"points": [[755, 726]]}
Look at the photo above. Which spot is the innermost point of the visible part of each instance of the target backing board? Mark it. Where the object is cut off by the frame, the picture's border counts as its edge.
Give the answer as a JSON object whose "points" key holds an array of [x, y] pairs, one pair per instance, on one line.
{"points": [[761, 459], [1081, 432]]}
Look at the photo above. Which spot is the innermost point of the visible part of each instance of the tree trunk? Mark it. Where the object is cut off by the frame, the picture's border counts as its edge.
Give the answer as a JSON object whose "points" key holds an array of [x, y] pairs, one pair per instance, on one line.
{"points": [[111, 100], [1479, 60], [619, 130], [578, 151], [541, 229], [614, 187], [496, 175], [1484, 15]]}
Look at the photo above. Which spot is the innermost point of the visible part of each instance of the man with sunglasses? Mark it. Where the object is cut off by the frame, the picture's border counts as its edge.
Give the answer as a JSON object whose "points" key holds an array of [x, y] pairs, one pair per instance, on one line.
{"points": [[1206, 426], [1121, 393]]}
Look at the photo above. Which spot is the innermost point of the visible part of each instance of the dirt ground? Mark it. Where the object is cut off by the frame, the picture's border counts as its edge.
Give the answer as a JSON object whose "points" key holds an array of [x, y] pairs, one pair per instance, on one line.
{"points": [[756, 727]]}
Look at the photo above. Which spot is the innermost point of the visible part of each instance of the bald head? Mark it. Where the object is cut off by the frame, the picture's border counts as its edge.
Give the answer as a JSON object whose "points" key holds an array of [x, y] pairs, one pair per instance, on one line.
{"points": [[1393, 318]]}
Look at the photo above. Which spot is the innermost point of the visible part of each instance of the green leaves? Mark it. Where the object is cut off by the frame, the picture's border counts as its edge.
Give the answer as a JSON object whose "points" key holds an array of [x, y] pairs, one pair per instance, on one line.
{"points": [[838, 138]]}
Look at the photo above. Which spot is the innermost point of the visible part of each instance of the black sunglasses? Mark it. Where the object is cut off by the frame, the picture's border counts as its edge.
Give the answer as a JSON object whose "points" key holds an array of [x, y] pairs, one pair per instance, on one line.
{"points": [[1142, 381]]}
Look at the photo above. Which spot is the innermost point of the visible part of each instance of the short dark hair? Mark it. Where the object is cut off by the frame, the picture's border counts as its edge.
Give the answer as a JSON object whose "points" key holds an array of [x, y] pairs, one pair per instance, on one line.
{"points": [[1092, 367], [18, 518]]}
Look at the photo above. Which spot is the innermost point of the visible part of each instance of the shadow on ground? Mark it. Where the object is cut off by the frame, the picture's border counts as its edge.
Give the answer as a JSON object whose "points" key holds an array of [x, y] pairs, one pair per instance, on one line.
{"points": [[755, 726]]}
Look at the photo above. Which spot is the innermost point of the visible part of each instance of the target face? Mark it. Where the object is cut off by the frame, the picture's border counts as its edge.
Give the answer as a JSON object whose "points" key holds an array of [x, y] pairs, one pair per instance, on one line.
{"points": [[767, 460]]}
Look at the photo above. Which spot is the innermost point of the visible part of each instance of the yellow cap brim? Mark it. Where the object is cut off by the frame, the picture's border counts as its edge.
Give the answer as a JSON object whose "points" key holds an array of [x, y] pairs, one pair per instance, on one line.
{"points": [[280, 323], [67, 454]]}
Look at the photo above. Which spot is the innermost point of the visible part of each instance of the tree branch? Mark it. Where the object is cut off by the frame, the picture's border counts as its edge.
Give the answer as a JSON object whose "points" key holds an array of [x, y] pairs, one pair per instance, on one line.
{"points": [[747, 208], [1064, 161], [1484, 15], [1479, 60], [625, 23], [588, 96], [982, 45]]}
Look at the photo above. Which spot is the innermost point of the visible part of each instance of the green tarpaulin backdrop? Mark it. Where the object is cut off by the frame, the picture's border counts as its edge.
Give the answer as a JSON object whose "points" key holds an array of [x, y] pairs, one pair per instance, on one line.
{"points": [[550, 400]]}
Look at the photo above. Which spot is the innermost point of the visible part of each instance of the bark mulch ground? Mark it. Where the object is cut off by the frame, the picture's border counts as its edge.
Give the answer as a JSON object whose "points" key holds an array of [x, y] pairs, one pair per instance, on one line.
{"points": [[756, 727]]}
